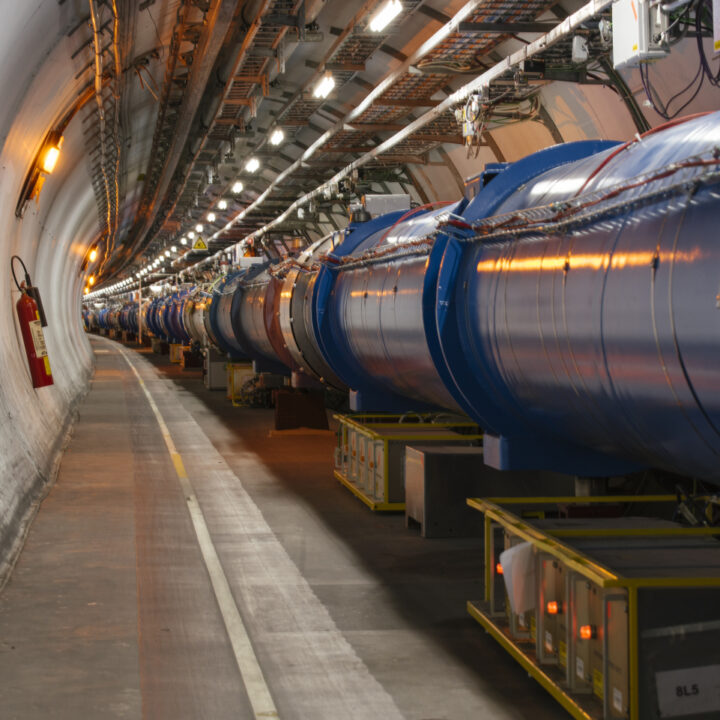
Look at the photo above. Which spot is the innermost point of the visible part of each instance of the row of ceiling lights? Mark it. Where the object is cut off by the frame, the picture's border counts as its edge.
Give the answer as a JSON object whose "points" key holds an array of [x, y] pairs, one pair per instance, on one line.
{"points": [[323, 88], [251, 166]]}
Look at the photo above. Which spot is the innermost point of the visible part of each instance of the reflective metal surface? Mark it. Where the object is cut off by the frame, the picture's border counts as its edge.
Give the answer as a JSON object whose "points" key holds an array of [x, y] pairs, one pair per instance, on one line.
{"points": [[607, 335], [379, 308]]}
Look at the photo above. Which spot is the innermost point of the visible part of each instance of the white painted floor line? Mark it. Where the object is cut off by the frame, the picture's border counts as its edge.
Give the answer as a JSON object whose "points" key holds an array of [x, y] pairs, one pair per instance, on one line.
{"points": [[257, 690]]}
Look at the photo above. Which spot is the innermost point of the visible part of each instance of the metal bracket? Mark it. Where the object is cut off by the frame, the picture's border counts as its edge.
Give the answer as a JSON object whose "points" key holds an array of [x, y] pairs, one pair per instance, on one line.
{"points": [[505, 27], [294, 21]]}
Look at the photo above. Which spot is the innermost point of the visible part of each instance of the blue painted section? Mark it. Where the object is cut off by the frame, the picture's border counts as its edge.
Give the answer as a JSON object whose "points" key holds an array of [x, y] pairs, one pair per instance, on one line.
{"points": [[153, 321], [176, 331], [327, 331], [517, 174], [476, 183], [468, 377], [219, 307], [540, 452], [369, 392]]}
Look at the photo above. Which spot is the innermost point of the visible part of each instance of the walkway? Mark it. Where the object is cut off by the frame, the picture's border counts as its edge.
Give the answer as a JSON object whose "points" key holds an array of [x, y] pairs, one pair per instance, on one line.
{"points": [[189, 563]]}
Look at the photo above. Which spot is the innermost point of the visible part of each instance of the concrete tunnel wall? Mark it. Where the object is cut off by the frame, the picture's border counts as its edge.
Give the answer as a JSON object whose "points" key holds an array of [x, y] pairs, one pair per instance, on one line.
{"points": [[38, 86]]}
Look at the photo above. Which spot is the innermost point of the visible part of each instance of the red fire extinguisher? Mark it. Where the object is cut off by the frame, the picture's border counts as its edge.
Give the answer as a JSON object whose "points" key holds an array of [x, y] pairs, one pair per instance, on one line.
{"points": [[31, 327]]}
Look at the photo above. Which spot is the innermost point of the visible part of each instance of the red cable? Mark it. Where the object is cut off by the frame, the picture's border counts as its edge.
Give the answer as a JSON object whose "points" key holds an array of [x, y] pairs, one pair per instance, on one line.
{"points": [[625, 146]]}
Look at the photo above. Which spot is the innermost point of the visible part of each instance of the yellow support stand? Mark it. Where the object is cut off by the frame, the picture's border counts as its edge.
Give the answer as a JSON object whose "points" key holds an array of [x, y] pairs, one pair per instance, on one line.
{"points": [[238, 375], [369, 458]]}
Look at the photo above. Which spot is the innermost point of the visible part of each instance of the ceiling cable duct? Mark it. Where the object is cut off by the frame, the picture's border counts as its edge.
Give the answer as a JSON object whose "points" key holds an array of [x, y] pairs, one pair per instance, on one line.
{"points": [[97, 49], [110, 179], [231, 69], [116, 123], [175, 127]]}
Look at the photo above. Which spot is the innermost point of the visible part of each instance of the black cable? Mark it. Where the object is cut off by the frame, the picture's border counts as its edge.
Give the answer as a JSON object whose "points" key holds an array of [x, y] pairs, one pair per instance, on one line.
{"points": [[28, 282], [699, 74], [714, 78], [661, 108], [683, 17]]}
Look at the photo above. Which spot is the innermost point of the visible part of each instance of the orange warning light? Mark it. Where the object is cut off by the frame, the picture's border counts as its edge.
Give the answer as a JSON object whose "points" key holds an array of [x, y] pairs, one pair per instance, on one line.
{"points": [[587, 632], [553, 608], [498, 569]]}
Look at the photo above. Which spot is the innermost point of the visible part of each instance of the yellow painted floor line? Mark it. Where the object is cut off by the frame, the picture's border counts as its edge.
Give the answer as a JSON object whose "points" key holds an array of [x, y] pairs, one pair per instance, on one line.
{"points": [[257, 690]]}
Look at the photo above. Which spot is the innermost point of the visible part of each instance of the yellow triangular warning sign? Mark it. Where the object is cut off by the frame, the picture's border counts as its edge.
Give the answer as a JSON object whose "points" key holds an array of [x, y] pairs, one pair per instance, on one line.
{"points": [[199, 244]]}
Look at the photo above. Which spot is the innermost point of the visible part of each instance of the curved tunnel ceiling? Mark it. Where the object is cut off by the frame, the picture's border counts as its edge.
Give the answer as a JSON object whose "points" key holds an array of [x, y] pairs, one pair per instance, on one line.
{"points": [[204, 83]]}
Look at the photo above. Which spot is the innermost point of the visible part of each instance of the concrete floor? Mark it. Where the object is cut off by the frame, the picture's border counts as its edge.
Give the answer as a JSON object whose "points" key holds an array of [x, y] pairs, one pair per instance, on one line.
{"points": [[111, 612]]}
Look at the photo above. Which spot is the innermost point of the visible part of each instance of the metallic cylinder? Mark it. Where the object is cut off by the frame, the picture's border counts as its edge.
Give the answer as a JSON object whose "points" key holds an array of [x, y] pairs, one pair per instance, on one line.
{"points": [[219, 316], [193, 315], [377, 312], [248, 315], [593, 325], [294, 313]]}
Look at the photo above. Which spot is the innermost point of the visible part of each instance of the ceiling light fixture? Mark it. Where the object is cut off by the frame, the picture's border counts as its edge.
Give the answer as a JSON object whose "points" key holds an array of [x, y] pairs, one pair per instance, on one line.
{"points": [[173, 248], [211, 217], [386, 15], [222, 205], [183, 241], [252, 164], [199, 228], [325, 86], [191, 234], [277, 137], [92, 255], [237, 187]]}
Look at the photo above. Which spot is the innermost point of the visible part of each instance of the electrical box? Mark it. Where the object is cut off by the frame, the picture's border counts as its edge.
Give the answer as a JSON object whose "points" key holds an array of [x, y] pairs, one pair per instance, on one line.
{"points": [[214, 370], [378, 205], [639, 28], [370, 456], [440, 478]]}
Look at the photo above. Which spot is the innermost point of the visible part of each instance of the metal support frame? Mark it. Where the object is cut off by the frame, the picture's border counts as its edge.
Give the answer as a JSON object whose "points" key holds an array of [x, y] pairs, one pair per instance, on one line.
{"points": [[506, 27], [549, 543]]}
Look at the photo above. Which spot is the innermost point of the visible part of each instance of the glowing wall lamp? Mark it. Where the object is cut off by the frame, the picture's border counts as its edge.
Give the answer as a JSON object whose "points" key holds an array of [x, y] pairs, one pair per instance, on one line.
{"points": [[47, 157], [50, 153], [43, 165]]}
